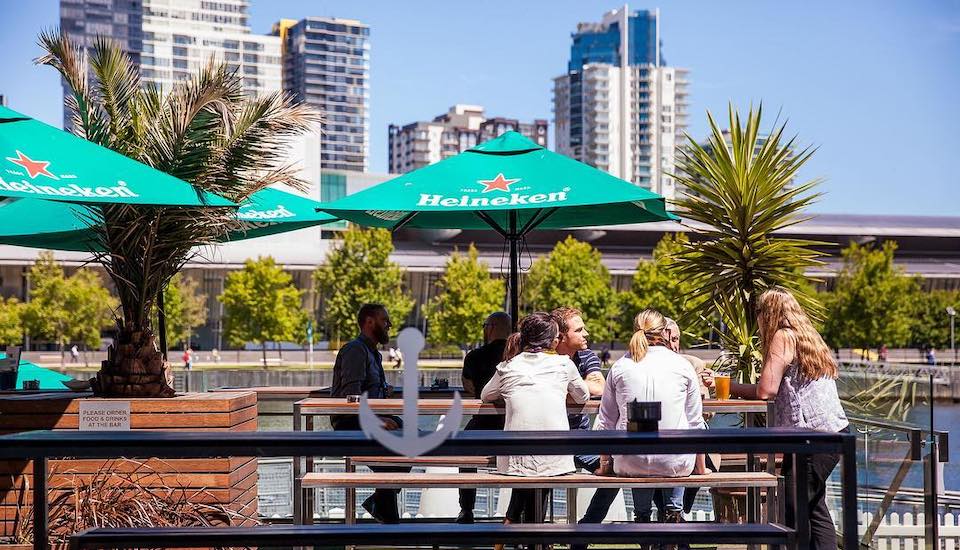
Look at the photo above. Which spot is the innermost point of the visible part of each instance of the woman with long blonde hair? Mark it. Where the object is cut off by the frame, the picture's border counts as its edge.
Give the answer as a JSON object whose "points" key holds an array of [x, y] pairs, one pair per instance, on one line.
{"points": [[799, 375]]}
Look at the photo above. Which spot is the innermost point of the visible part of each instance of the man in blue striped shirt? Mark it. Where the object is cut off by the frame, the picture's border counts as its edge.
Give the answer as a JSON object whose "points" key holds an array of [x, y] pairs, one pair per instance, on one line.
{"points": [[573, 343]]}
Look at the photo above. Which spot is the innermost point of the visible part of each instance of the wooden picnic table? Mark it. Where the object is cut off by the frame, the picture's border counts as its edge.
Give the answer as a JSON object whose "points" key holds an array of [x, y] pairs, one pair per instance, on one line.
{"points": [[287, 393], [305, 410], [327, 406]]}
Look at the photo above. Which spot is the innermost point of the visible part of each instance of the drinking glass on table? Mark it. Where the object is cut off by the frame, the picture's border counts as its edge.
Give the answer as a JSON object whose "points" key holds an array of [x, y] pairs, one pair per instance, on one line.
{"points": [[721, 381]]}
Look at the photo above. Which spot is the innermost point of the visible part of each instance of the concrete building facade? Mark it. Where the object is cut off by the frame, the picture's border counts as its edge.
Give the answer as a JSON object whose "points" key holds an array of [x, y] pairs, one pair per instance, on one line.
{"points": [[619, 107], [169, 40], [419, 144]]}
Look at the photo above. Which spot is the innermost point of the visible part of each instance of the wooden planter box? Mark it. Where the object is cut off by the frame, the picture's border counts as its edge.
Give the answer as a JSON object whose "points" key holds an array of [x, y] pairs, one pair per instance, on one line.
{"points": [[229, 481]]}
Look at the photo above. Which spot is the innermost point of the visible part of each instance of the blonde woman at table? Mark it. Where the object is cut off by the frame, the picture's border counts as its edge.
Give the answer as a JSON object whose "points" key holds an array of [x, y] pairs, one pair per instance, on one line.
{"points": [[799, 374], [535, 383], [651, 371]]}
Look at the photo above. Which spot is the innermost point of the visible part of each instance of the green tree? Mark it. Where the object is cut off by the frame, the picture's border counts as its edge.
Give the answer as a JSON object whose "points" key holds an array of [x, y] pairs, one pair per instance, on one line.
{"points": [[742, 191], [931, 322], [204, 130], [656, 285], [261, 304], [356, 272], [67, 309], [185, 309], [573, 275], [873, 301], [11, 321], [466, 295]]}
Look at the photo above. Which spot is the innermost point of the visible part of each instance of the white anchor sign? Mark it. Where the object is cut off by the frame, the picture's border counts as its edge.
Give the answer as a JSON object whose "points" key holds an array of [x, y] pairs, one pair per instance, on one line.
{"points": [[410, 342]]}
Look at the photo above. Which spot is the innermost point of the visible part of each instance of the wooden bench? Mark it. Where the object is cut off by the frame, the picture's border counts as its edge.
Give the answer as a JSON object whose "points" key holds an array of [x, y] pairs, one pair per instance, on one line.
{"points": [[423, 461], [479, 480], [427, 534], [480, 462]]}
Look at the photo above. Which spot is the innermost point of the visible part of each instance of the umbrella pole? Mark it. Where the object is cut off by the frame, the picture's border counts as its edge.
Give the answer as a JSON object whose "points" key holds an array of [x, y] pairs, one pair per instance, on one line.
{"points": [[514, 269], [162, 324]]}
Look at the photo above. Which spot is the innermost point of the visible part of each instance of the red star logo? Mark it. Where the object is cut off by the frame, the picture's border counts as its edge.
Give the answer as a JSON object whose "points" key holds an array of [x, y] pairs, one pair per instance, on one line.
{"points": [[34, 167], [498, 183]]}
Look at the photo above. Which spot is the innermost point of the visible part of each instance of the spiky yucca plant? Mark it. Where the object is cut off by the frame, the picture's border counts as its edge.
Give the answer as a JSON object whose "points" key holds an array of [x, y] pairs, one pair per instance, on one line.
{"points": [[742, 190], [204, 131]]}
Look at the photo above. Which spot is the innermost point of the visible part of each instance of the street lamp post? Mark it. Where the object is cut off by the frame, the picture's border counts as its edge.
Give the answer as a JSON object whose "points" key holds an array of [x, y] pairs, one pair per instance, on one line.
{"points": [[953, 343]]}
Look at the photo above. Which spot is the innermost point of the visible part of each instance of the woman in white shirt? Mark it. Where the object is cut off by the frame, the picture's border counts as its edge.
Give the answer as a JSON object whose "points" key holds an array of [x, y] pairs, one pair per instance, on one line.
{"points": [[651, 371], [535, 384]]}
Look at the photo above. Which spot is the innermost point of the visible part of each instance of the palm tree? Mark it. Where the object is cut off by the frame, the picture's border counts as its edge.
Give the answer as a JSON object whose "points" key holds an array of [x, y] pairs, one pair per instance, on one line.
{"points": [[741, 188], [203, 131]]}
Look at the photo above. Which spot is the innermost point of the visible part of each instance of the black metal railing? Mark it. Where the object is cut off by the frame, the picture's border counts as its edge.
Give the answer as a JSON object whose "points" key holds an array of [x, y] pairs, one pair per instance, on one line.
{"points": [[799, 445]]}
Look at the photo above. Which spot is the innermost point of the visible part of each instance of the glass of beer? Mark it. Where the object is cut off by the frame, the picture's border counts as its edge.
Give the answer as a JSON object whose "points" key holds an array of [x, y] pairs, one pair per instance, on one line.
{"points": [[721, 381]]}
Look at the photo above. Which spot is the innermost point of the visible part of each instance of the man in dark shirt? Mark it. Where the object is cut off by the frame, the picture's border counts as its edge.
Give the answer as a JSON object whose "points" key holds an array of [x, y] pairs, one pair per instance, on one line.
{"points": [[573, 343], [359, 369], [479, 367]]}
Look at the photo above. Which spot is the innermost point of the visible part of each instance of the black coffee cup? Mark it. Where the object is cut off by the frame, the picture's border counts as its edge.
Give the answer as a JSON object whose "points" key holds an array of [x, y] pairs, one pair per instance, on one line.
{"points": [[643, 416]]}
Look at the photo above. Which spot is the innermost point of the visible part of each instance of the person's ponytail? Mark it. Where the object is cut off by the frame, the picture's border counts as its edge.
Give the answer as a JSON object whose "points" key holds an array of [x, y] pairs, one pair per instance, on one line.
{"points": [[648, 323], [638, 345], [512, 349]]}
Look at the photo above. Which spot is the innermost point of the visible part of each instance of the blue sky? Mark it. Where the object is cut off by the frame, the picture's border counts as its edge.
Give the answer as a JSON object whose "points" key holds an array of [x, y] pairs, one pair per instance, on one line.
{"points": [[873, 84]]}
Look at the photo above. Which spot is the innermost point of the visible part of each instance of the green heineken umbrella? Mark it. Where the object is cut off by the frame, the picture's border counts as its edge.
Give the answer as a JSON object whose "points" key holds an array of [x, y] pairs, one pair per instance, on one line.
{"points": [[57, 225], [40, 161], [510, 184], [49, 379], [61, 226]]}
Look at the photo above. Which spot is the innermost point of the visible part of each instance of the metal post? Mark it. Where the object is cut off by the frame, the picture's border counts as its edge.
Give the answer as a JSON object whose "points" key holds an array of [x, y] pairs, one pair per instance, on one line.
{"points": [[849, 481], [572, 511], [931, 504], [801, 508], [753, 493], [953, 343], [350, 506], [297, 471], [162, 324], [40, 511], [538, 510], [308, 494], [514, 268], [771, 457]]}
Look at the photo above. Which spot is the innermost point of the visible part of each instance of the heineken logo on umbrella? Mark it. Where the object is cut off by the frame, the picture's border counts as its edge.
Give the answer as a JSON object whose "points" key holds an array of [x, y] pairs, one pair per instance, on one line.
{"points": [[37, 168], [33, 167], [256, 218], [498, 183]]}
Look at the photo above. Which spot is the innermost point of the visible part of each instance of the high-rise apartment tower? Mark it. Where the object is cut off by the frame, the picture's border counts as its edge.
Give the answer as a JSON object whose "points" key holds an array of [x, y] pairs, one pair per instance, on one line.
{"points": [[171, 39], [419, 144], [619, 107], [326, 63]]}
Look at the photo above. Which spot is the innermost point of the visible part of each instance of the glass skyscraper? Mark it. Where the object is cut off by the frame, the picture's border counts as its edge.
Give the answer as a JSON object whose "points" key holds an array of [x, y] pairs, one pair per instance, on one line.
{"points": [[619, 107], [326, 63], [600, 42]]}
